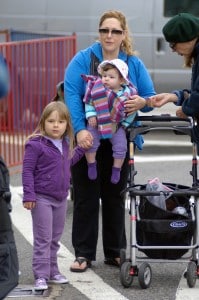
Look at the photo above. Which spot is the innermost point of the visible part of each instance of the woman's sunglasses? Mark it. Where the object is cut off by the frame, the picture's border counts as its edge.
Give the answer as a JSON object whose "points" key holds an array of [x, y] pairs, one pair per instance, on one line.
{"points": [[112, 31]]}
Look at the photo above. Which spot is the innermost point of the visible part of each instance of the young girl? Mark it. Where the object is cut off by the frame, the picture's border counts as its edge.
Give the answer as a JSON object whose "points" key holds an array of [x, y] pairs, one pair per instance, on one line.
{"points": [[48, 157]]}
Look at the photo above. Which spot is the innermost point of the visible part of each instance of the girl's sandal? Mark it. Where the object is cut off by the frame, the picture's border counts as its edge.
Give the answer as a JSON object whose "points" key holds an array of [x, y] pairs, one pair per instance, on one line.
{"points": [[80, 261]]}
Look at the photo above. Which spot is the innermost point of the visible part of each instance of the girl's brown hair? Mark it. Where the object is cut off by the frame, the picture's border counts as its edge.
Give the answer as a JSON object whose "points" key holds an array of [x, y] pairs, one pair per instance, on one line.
{"points": [[127, 44], [63, 112]]}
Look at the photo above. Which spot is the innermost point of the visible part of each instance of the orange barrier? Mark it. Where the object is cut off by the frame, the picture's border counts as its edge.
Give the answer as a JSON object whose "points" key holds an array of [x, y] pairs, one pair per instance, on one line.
{"points": [[35, 66]]}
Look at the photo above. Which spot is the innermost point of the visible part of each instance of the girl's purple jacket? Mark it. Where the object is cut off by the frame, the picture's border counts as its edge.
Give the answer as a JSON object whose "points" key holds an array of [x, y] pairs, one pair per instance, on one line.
{"points": [[45, 170]]}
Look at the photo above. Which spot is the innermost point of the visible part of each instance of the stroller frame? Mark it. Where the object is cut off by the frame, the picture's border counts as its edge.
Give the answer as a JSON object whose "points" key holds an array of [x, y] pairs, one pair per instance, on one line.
{"points": [[129, 267]]}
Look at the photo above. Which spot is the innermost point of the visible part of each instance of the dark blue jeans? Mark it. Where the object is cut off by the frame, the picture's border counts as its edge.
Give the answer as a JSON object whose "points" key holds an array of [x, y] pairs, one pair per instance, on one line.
{"points": [[87, 195]]}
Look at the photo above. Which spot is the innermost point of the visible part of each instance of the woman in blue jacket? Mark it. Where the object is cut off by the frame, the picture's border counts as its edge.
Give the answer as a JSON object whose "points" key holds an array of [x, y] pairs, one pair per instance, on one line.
{"points": [[114, 42]]}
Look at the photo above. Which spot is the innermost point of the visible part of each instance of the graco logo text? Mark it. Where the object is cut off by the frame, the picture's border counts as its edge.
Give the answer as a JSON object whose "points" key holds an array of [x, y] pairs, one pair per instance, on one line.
{"points": [[178, 224]]}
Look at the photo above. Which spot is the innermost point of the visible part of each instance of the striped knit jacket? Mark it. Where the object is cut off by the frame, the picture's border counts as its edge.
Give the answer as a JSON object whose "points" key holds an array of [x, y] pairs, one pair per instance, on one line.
{"points": [[105, 104]]}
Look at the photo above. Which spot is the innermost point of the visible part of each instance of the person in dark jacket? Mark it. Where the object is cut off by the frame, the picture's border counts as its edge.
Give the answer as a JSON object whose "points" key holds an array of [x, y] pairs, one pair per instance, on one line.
{"points": [[182, 34], [48, 157], [9, 263]]}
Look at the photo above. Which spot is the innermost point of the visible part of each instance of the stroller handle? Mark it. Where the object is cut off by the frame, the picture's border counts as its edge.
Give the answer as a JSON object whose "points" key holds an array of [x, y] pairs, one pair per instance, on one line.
{"points": [[162, 118], [163, 122]]}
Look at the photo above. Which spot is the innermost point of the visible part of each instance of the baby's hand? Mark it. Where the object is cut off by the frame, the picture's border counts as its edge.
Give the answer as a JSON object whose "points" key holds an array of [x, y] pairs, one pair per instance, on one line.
{"points": [[92, 121]]}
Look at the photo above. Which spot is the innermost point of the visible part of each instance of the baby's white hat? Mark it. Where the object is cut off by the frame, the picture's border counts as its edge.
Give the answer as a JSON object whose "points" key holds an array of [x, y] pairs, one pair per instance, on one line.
{"points": [[119, 64]]}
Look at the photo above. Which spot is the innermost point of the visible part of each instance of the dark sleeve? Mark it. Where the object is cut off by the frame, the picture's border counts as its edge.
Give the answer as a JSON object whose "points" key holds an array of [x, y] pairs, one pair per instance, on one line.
{"points": [[190, 106]]}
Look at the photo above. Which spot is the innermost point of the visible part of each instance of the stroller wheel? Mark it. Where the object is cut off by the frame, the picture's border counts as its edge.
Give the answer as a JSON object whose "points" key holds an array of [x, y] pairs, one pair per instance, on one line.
{"points": [[191, 274], [126, 276], [144, 275], [122, 256]]}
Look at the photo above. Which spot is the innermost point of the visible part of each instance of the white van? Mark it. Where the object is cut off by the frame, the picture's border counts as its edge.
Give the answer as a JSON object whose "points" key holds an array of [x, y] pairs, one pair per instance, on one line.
{"points": [[145, 18]]}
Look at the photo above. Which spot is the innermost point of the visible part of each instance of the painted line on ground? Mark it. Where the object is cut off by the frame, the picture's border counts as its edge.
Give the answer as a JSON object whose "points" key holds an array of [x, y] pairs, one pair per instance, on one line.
{"points": [[186, 293]]}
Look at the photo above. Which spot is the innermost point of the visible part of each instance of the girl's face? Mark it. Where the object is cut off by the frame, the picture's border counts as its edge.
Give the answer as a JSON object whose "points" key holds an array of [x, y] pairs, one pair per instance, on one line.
{"points": [[112, 80], [111, 35], [55, 127]]}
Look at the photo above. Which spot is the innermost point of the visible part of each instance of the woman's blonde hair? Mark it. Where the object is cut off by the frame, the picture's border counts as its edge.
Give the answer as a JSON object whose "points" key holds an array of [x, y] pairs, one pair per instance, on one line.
{"points": [[63, 112], [127, 44]]}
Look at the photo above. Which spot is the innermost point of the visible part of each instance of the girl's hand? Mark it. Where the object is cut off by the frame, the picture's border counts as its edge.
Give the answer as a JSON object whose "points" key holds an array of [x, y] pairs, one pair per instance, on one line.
{"points": [[29, 204], [84, 139]]}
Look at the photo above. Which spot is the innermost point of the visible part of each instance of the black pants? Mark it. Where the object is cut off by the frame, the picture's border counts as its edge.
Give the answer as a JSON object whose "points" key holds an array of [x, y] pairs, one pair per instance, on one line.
{"points": [[87, 194]]}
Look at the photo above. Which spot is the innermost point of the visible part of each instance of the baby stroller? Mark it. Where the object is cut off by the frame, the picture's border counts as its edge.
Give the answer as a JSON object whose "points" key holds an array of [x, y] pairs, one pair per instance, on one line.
{"points": [[163, 216]]}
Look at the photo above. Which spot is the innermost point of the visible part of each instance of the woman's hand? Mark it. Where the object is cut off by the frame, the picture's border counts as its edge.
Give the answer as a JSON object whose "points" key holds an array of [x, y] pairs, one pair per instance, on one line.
{"points": [[161, 99], [84, 139], [133, 104]]}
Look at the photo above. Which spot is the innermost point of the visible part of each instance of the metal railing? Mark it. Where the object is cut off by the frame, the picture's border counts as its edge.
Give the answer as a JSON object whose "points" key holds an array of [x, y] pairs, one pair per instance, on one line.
{"points": [[35, 67]]}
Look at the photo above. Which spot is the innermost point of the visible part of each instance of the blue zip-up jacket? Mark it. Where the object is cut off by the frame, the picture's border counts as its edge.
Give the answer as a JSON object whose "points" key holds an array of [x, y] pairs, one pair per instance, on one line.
{"points": [[75, 86], [46, 170]]}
